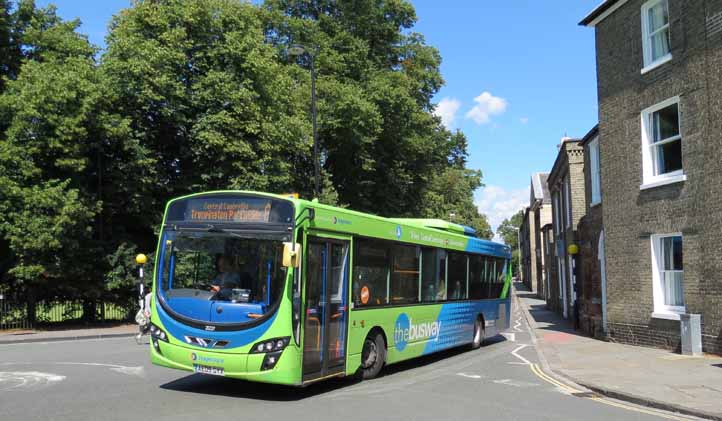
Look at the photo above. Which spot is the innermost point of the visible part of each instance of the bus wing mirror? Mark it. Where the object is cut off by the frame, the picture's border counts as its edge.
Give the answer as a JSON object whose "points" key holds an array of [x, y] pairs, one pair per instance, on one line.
{"points": [[291, 254]]}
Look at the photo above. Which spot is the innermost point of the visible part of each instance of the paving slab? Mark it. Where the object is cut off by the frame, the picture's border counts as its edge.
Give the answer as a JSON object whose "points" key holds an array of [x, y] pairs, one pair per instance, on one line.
{"points": [[648, 376]]}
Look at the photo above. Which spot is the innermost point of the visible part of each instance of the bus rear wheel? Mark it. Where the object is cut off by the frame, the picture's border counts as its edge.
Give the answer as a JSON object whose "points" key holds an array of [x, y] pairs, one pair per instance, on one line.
{"points": [[373, 355], [478, 334]]}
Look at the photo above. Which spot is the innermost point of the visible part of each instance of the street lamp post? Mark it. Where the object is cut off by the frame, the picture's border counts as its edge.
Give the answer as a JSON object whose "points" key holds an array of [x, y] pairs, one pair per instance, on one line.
{"points": [[297, 50]]}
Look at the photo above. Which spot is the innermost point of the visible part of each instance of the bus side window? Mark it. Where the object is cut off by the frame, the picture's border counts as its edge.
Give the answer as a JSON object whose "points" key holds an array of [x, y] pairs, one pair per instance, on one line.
{"points": [[405, 275], [370, 272], [428, 275], [457, 276], [476, 265]]}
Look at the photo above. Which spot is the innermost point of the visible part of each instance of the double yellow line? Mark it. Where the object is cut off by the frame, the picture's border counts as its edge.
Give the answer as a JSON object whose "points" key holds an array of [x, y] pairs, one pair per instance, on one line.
{"points": [[539, 373]]}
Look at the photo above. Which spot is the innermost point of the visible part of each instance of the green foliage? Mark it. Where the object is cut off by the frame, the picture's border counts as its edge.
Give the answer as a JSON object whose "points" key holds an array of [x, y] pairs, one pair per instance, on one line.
{"points": [[450, 194], [196, 95], [207, 97], [376, 78], [46, 212], [507, 230]]}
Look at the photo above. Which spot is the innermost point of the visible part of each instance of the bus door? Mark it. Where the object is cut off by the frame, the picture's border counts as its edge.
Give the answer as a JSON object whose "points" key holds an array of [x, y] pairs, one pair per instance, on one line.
{"points": [[325, 307]]}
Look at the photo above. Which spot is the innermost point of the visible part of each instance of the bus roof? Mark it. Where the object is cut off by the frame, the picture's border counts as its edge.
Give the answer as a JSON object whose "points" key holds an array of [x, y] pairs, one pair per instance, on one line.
{"points": [[431, 232]]}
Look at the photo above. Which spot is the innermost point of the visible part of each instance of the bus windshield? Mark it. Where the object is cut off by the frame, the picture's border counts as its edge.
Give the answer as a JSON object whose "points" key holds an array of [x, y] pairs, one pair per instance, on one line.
{"points": [[223, 277]]}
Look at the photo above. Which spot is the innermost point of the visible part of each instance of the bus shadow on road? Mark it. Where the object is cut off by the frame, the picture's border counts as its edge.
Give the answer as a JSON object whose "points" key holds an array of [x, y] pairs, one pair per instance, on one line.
{"points": [[235, 388], [438, 356]]}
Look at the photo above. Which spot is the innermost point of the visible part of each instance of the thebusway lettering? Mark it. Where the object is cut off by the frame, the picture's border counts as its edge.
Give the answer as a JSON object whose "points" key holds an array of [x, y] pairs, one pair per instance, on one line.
{"points": [[405, 331]]}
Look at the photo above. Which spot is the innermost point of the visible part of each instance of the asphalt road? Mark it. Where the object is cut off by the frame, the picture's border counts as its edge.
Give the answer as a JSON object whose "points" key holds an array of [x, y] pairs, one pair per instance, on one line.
{"points": [[112, 379]]}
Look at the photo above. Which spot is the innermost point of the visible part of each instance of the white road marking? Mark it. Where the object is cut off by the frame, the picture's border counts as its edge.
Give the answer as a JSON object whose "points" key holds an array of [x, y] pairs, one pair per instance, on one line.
{"points": [[509, 336], [510, 382], [517, 324], [130, 371], [15, 380], [519, 348], [470, 376]]}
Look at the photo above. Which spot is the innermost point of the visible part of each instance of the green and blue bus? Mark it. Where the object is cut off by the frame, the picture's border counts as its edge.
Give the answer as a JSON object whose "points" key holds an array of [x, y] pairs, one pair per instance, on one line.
{"points": [[276, 289]]}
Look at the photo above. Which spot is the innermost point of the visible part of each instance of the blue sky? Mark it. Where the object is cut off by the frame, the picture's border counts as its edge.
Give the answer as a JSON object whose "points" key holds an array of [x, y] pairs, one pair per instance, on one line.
{"points": [[519, 75]]}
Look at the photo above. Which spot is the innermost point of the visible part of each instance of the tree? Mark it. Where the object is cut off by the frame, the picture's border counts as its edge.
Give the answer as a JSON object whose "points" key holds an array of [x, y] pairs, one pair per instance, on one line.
{"points": [[207, 98], [381, 144], [508, 231], [196, 95], [49, 111], [450, 194]]}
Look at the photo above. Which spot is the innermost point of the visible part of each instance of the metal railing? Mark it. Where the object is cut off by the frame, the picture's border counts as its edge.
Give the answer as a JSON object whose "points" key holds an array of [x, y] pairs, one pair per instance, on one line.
{"points": [[14, 314]]}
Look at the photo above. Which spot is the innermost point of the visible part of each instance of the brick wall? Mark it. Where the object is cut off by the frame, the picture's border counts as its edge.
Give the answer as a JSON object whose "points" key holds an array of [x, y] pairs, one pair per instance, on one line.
{"points": [[693, 207], [542, 216], [532, 282], [588, 263], [569, 162]]}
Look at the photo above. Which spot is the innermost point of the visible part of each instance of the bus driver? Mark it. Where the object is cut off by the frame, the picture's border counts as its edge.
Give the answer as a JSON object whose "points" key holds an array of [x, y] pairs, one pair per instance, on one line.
{"points": [[227, 278]]}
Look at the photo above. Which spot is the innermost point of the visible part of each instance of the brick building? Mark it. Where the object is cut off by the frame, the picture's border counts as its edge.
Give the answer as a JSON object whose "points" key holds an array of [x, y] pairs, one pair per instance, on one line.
{"points": [[540, 211], [550, 273], [566, 186], [536, 215], [590, 260], [660, 121]]}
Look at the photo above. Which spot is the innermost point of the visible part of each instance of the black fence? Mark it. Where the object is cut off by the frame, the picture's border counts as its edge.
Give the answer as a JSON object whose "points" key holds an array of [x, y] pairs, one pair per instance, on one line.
{"points": [[16, 314]]}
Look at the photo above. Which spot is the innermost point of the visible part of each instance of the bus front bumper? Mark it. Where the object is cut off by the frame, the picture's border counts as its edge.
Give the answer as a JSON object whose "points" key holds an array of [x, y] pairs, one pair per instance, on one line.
{"points": [[286, 371]]}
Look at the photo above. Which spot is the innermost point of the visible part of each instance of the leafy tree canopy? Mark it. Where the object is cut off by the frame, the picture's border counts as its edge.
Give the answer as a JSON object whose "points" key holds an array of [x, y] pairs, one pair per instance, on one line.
{"points": [[508, 229], [196, 95]]}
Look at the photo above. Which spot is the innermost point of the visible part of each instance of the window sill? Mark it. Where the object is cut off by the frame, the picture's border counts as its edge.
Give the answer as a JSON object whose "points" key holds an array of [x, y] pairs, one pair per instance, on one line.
{"points": [[660, 61], [663, 181], [666, 315]]}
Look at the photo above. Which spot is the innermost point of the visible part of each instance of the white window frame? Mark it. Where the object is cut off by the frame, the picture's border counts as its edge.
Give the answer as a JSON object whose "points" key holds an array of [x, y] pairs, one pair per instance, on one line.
{"points": [[662, 311], [594, 172], [649, 63], [649, 179]]}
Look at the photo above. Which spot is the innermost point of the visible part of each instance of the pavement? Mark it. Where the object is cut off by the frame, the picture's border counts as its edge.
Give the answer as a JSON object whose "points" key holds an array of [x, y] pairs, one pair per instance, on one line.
{"points": [[29, 335], [646, 376], [112, 379]]}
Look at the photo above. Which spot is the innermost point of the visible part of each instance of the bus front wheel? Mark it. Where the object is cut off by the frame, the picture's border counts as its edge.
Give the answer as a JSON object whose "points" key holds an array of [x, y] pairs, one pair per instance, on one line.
{"points": [[373, 355], [478, 333]]}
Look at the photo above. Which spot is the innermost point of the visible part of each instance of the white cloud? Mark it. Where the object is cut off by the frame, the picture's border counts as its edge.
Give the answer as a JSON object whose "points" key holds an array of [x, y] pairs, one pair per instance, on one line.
{"points": [[498, 204], [524, 120], [486, 106], [446, 109]]}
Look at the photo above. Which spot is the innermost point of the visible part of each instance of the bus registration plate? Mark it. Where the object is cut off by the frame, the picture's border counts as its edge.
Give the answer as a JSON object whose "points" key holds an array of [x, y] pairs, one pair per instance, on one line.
{"points": [[216, 371]]}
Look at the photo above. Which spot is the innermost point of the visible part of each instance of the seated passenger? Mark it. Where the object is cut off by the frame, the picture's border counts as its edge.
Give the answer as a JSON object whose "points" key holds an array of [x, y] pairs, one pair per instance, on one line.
{"points": [[456, 294], [227, 278], [430, 292], [441, 292]]}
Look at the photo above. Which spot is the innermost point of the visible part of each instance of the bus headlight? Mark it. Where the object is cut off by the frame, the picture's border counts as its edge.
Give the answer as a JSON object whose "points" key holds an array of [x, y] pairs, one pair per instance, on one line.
{"points": [[270, 360], [158, 333], [271, 345]]}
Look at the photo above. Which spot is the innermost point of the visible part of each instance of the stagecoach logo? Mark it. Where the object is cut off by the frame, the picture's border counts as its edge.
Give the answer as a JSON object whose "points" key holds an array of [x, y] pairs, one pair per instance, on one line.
{"points": [[406, 331], [398, 231], [207, 360]]}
